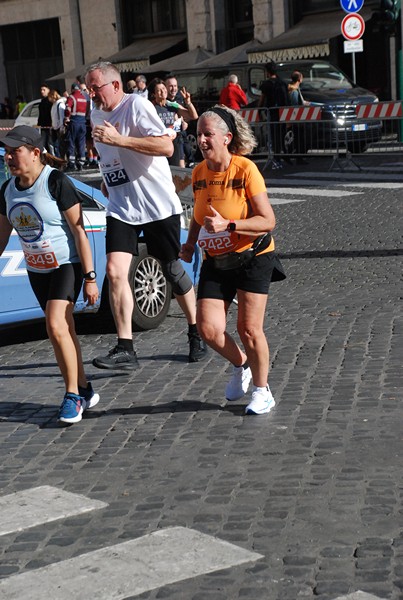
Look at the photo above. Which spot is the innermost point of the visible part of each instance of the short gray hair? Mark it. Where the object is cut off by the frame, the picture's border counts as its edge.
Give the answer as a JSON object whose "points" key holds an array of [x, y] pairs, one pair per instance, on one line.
{"points": [[105, 67], [233, 78]]}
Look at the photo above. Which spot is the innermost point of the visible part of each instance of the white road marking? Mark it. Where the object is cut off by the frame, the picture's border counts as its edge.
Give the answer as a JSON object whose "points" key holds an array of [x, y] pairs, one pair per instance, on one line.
{"points": [[285, 200], [128, 569], [358, 596], [44, 504], [376, 185], [308, 192], [344, 175]]}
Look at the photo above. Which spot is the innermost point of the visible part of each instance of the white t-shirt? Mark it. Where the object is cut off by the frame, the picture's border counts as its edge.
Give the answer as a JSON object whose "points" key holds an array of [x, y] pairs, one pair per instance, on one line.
{"points": [[140, 187]]}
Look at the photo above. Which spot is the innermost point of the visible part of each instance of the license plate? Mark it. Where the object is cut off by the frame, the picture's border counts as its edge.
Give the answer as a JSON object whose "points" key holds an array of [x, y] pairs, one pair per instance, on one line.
{"points": [[360, 127]]}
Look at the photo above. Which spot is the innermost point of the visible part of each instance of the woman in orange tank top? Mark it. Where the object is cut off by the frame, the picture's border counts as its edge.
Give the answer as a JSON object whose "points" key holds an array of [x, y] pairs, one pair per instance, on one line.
{"points": [[232, 222]]}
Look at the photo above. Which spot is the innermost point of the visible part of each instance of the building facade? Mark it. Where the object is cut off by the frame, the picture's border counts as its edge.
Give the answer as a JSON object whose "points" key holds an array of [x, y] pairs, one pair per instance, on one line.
{"points": [[40, 39]]}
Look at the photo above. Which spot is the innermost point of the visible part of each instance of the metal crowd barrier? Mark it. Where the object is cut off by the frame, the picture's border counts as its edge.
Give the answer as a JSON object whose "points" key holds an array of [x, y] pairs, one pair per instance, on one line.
{"points": [[343, 132]]}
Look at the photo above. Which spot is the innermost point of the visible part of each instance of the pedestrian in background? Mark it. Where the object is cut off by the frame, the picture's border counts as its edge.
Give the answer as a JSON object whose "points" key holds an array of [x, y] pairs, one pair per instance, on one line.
{"points": [[274, 93], [178, 95], [141, 86], [172, 114], [298, 130], [57, 116], [133, 146], [131, 86], [232, 95], [44, 208], [45, 119], [232, 222], [75, 123], [20, 104]]}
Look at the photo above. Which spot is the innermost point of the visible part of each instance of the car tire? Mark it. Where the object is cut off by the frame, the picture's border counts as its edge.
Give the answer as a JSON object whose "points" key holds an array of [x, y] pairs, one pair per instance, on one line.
{"points": [[151, 291], [192, 141]]}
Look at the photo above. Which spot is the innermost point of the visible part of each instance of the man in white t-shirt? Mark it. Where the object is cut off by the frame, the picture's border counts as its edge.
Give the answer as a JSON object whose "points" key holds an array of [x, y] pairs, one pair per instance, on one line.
{"points": [[133, 146]]}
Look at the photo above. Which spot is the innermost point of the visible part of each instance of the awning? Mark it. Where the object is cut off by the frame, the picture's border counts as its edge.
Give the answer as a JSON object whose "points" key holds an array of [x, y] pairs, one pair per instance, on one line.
{"points": [[72, 73], [135, 57], [186, 60], [229, 58], [309, 38], [139, 55]]}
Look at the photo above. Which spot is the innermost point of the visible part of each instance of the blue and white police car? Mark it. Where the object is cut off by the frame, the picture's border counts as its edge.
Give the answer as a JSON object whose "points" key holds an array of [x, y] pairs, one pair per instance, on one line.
{"points": [[152, 293]]}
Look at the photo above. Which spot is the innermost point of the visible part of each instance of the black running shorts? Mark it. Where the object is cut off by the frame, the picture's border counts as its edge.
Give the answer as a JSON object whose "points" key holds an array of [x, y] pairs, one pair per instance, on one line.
{"points": [[63, 283], [162, 237], [255, 278]]}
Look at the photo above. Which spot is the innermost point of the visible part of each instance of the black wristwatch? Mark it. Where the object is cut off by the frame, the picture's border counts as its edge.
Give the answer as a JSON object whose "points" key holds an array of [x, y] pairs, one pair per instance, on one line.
{"points": [[231, 226], [90, 276]]}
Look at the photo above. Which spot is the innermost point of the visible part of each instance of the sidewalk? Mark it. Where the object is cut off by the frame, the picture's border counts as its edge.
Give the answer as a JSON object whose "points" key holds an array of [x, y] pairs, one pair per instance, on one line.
{"points": [[315, 488]]}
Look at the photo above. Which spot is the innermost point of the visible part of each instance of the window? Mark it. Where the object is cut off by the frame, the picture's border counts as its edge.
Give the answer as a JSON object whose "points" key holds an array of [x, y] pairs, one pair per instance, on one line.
{"points": [[27, 41], [153, 16]]}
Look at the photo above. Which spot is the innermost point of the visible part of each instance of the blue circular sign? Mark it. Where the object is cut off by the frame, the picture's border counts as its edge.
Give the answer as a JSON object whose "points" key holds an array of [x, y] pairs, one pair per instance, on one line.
{"points": [[352, 6]]}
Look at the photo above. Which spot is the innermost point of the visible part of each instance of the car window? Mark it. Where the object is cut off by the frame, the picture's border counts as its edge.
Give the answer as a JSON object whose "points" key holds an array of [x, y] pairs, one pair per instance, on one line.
{"points": [[87, 202], [33, 111], [317, 76]]}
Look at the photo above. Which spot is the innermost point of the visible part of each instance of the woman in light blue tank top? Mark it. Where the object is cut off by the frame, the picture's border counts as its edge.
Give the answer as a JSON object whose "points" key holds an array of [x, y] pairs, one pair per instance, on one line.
{"points": [[44, 208]]}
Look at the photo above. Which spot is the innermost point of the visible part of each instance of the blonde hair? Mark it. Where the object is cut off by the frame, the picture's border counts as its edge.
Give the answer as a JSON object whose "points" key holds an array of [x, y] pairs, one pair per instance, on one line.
{"points": [[54, 94], [243, 141]]}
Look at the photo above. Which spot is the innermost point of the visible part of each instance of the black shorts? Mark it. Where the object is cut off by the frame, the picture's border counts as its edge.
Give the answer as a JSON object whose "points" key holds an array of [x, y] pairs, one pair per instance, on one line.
{"points": [[255, 278], [63, 283], [162, 237]]}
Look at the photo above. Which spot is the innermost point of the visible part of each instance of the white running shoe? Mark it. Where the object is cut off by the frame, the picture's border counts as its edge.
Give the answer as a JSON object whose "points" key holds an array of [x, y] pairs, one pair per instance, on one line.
{"points": [[238, 385], [262, 402], [91, 398]]}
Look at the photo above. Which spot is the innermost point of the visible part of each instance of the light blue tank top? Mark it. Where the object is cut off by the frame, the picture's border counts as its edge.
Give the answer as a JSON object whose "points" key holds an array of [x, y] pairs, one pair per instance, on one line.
{"points": [[44, 233]]}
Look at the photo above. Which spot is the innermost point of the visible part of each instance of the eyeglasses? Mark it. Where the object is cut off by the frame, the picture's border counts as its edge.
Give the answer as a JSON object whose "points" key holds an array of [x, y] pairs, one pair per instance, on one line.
{"points": [[94, 89]]}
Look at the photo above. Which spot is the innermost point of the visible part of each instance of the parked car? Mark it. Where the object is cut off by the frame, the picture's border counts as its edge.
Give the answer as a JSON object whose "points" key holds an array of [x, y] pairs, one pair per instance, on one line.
{"points": [[29, 114], [324, 85], [152, 293]]}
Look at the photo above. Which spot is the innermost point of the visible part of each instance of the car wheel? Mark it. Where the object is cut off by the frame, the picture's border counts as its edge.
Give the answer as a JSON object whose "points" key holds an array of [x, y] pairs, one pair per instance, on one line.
{"points": [[151, 292], [192, 140]]}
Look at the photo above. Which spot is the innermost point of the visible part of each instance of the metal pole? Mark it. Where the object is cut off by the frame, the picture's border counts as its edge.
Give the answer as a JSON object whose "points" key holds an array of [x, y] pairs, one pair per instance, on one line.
{"points": [[353, 61]]}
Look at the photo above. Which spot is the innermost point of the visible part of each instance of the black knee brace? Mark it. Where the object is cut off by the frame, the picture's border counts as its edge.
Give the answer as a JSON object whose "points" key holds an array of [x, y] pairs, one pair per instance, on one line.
{"points": [[177, 277]]}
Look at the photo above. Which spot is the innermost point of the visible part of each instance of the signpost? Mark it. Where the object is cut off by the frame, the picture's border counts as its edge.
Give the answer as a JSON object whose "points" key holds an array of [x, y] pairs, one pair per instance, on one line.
{"points": [[352, 28], [352, 6]]}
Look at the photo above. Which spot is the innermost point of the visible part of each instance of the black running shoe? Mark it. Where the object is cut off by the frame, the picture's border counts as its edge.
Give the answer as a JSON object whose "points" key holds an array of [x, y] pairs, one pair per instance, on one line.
{"points": [[117, 358], [197, 348]]}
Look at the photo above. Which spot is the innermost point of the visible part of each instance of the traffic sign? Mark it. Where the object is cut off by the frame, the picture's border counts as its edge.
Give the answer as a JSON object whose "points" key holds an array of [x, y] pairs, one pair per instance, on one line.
{"points": [[353, 46], [352, 6], [353, 26]]}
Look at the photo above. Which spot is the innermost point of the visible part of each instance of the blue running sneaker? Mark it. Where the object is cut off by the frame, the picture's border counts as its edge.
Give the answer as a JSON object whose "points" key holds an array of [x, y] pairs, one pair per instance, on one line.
{"points": [[71, 410], [91, 398]]}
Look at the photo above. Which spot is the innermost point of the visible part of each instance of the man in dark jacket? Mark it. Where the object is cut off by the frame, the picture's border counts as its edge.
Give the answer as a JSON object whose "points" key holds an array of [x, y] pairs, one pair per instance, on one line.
{"points": [[44, 118], [274, 93]]}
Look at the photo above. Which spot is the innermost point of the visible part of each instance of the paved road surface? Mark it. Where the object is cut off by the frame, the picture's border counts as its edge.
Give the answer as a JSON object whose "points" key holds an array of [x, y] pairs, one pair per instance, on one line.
{"points": [[184, 496]]}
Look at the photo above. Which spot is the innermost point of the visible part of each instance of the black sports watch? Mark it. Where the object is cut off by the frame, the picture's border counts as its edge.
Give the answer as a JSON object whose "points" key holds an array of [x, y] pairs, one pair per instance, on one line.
{"points": [[231, 225], [90, 276]]}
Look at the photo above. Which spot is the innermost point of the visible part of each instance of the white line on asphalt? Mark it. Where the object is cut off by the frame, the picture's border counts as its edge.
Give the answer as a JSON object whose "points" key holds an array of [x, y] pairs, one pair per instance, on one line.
{"points": [[358, 596], [285, 200], [39, 505], [337, 175], [308, 192], [378, 185], [128, 569]]}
